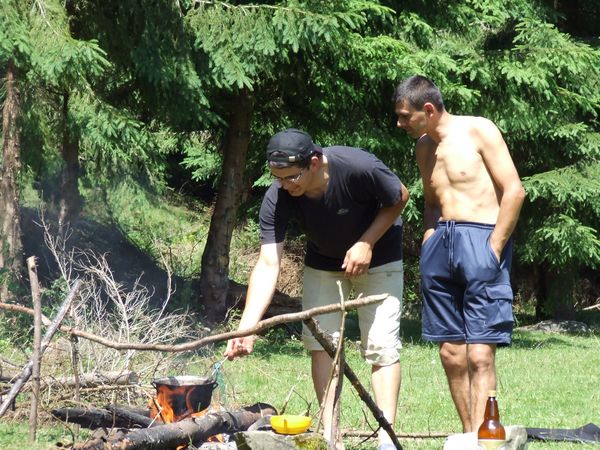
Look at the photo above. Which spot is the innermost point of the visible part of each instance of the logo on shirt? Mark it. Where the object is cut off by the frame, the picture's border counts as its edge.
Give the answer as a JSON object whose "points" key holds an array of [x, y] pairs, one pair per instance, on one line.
{"points": [[342, 211]]}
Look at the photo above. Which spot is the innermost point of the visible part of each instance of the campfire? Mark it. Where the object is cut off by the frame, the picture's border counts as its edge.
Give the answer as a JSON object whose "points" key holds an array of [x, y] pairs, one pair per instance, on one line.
{"points": [[178, 398], [179, 414]]}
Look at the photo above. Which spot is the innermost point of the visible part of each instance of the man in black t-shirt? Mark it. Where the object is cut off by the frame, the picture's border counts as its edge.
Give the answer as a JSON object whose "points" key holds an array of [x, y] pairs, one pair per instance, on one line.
{"points": [[348, 204]]}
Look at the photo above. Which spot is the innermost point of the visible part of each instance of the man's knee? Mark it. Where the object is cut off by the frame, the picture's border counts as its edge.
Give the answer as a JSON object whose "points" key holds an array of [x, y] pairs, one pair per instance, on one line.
{"points": [[381, 356], [453, 355], [481, 357]]}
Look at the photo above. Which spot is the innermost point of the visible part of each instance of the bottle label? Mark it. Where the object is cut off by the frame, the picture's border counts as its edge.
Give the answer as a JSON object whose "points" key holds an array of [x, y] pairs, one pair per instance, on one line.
{"points": [[491, 444]]}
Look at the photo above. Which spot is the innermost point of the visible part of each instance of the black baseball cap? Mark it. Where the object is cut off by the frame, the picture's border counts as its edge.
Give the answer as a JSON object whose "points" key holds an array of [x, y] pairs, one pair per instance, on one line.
{"points": [[291, 146]]}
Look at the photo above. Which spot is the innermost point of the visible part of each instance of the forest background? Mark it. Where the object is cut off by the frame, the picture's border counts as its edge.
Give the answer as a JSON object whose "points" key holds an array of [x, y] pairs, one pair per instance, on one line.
{"points": [[151, 119]]}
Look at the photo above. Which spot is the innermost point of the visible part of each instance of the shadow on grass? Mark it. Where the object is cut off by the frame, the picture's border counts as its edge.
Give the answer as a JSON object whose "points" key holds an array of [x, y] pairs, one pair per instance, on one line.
{"points": [[538, 339], [286, 339]]}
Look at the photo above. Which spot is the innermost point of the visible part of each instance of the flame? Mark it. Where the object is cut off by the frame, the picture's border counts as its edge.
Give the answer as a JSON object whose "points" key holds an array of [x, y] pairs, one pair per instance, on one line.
{"points": [[168, 404], [168, 407]]}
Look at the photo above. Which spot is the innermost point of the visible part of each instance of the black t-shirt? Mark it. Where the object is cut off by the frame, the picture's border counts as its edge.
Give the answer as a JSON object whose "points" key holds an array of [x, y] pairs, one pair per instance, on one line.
{"points": [[359, 185]]}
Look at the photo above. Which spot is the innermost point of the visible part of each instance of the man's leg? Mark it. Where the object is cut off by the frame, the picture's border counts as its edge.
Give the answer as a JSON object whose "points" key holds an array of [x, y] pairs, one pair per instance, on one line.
{"points": [[454, 360], [482, 374], [386, 385], [380, 335], [321, 369]]}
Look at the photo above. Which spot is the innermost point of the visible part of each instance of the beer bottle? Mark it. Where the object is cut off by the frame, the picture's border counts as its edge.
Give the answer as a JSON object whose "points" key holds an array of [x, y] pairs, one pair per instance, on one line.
{"points": [[491, 434]]}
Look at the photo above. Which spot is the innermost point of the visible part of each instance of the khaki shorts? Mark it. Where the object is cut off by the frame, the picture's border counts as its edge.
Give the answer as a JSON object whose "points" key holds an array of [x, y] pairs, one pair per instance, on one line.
{"points": [[379, 322]]}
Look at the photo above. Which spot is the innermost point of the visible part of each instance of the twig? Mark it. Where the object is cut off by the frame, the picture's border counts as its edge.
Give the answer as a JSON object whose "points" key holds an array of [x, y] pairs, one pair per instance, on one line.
{"points": [[326, 343], [596, 306], [26, 373], [335, 374], [287, 399], [193, 345]]}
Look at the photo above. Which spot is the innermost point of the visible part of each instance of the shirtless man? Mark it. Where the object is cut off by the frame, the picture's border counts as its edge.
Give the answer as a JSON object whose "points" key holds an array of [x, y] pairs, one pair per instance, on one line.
{"points": [[473, 196]]}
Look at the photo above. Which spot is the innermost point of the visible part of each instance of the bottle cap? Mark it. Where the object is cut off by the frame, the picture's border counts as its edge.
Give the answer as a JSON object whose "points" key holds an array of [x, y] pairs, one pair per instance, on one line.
{"points": [[491, 393]]}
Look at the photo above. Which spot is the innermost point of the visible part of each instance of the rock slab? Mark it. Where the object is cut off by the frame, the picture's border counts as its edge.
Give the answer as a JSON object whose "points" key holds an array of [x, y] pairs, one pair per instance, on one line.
{"points": [[516, 439], [268, 440]]}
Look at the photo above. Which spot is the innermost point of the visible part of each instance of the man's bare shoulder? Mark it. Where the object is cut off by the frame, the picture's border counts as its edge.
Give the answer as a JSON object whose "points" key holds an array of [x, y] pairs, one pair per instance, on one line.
{"points": [[425, 143], [477, 125]]}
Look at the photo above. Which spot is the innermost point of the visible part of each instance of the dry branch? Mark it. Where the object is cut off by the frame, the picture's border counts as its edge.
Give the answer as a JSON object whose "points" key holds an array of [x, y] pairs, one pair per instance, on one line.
{"points": [[26, 373], [329, 347], [196, 344], [22, 309]]}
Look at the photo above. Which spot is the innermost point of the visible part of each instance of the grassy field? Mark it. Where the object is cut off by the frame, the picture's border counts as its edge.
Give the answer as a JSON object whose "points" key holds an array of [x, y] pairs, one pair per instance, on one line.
{"points": [[545, 380]]}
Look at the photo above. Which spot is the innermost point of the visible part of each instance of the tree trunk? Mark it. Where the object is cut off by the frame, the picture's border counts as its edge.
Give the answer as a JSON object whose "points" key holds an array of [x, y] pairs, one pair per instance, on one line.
{"points": [[11, 252], [70, 200], [214, 278]]}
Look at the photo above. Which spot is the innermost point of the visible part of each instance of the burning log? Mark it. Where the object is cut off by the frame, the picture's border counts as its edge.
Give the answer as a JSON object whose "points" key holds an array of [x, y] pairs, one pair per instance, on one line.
{"points": [[173, 435]]}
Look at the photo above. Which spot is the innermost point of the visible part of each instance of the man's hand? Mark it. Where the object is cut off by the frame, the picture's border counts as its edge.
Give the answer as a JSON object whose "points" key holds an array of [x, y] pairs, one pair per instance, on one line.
{"points": [[496, 246], [427, 234], [357, 260], [239, 347]]}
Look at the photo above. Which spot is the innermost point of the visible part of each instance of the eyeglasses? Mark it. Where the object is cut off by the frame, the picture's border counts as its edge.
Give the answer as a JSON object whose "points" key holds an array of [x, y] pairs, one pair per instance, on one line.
{"points": [[290, 178]]}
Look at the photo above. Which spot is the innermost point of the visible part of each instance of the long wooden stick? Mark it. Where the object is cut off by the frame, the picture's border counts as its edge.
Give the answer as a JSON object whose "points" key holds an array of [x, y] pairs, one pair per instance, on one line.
{"points": [[26, 373], [328, 346], [196, 344], [37, 343], [425, 435]]}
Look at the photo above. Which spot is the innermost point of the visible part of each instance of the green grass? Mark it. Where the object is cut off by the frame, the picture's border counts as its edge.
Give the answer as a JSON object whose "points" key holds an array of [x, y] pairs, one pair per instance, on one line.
{"points": [[15, 436], [544, 381]]}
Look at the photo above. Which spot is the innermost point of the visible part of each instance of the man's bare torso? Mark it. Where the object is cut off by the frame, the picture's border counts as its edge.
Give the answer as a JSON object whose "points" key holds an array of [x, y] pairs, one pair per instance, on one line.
{"points": [[455, 178]]}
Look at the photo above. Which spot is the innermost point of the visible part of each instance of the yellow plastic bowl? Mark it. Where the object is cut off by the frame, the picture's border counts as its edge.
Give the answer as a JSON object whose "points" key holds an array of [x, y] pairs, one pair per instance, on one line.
{"points": [[290, 424]]}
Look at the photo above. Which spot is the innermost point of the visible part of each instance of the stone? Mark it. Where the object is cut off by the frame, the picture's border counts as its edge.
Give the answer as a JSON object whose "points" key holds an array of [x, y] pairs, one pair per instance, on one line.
{"points": [[268, 440], [516, 439], [558, 326]]}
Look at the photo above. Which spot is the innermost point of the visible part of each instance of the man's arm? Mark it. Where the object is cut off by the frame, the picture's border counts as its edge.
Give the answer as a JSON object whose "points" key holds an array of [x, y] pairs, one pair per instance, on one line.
{"points": [[431, 214], [504, 174], [260, 292], [358, 257]]}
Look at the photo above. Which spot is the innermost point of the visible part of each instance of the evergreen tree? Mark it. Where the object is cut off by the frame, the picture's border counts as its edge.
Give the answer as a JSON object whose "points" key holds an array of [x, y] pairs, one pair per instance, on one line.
{"points": [[506, 60]]}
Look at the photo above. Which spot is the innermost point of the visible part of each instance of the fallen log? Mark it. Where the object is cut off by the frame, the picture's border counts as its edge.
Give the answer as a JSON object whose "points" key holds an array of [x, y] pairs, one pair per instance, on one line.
{"points": [[135, 417], [117, 378], [109, 417], [172, 435], [94, 418], [86, 380]]}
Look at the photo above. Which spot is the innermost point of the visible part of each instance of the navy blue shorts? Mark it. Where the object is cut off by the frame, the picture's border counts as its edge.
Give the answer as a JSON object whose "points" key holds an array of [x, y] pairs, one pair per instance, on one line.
{"points": [[466, 291]]}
